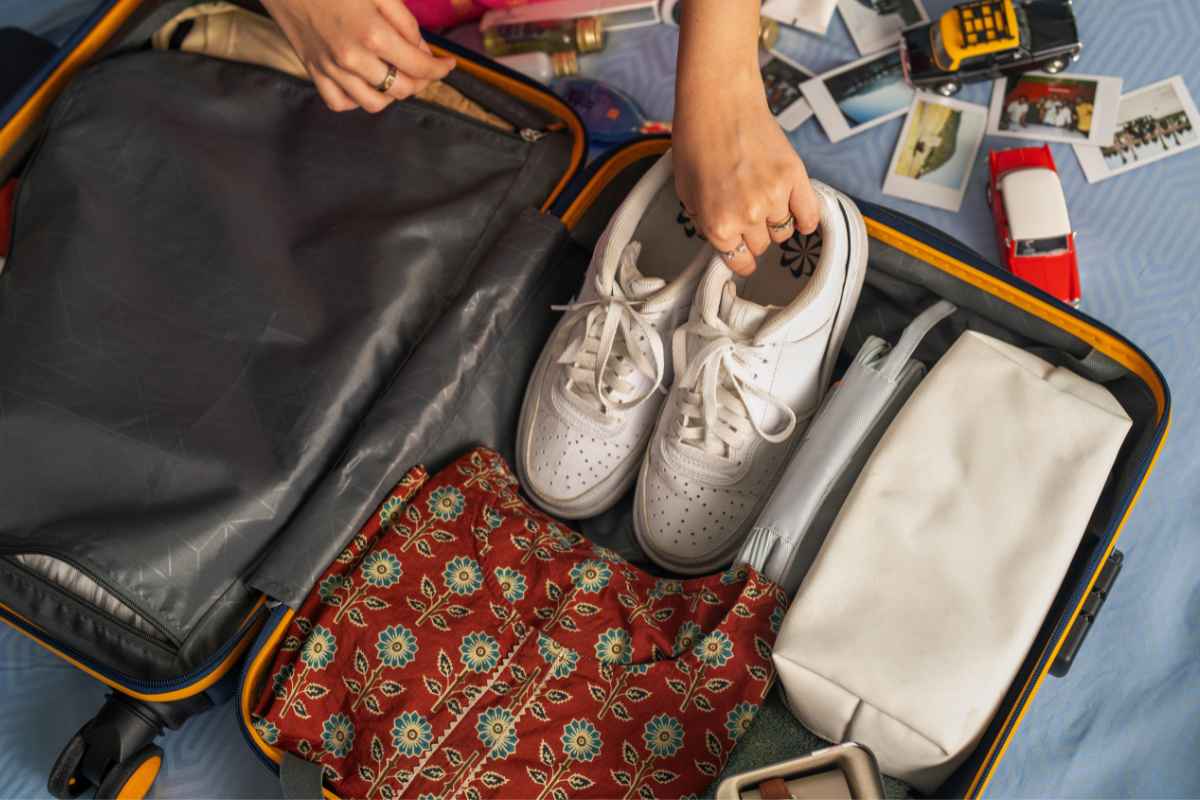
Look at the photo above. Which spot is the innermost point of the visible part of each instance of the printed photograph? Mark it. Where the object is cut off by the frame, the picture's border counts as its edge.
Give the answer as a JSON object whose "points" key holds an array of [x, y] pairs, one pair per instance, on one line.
{"points": [[810, 15], [936, 152], [782, 78], [875, 25], [1153, 123], [860, 95], [1055, 108]]}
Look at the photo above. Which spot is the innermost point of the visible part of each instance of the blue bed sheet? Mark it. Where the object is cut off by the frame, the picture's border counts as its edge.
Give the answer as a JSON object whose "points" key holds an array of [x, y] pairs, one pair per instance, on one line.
{"points": [[54, 20], [1126, 721]]}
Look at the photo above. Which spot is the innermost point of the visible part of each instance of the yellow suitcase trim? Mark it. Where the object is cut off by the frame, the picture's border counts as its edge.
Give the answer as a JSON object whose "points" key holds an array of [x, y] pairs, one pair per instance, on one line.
{"points": [[250, 681], [23, 121]]}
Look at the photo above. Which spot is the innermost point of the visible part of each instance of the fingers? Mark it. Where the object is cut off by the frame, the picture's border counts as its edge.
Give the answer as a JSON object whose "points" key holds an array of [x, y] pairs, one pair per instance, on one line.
{"points": [[757, 238], [735, 252], [731, 235], [753, 212], [352, 74], [781, 226], [732, 225], [804, 205], [397, 15], [332, 94], [365, 95], [411, 61], [743, 263], [401, 19]]}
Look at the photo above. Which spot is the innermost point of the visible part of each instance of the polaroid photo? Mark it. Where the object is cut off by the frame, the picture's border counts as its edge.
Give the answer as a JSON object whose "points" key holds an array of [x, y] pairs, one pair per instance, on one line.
{"points": [[936, 151], [1153, 123], [875, 25], [859, 95], [1055, 108], [810, 15], [782, 78]]}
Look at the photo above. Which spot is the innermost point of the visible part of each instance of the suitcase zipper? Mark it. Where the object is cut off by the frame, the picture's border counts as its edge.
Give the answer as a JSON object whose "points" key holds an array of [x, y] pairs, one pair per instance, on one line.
{"points": [[123, 681], [528, 135], [165, 639]]}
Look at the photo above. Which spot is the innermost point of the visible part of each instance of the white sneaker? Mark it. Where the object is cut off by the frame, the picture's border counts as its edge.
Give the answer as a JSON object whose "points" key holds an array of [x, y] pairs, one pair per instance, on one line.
{"points": [[751, 367], [600, 381]]}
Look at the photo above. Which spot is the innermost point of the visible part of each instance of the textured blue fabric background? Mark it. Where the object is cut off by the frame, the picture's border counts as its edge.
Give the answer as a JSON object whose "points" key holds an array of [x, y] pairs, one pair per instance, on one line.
{"points": [[1126, 721], [50, 19]]}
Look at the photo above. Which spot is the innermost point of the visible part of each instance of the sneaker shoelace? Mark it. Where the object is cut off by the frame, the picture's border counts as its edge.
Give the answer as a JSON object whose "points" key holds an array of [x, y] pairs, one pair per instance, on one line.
{"points": [[599, 364], [718, 379]]}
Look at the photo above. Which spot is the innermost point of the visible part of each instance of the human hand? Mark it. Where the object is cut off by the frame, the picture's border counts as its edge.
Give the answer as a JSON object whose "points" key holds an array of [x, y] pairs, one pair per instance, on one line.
{"points": [[347, 46], [738, 176], [736, 173]]}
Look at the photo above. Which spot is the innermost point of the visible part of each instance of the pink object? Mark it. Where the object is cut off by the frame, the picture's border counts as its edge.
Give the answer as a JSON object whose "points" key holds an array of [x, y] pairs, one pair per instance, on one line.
{"points": [[444, 13]]}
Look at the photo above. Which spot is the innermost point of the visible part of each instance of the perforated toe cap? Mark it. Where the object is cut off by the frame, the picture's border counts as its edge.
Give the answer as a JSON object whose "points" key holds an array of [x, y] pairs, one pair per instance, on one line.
{"points": [[565, 463], [689, 523]]}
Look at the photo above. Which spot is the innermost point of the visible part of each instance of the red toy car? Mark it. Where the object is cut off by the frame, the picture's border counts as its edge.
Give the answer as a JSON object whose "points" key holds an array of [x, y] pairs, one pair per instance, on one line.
{"points": [[1035, 233]]}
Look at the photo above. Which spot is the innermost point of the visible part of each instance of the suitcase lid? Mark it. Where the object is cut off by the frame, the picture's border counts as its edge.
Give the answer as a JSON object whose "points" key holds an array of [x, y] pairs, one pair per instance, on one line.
{"points": [[182, 657]]}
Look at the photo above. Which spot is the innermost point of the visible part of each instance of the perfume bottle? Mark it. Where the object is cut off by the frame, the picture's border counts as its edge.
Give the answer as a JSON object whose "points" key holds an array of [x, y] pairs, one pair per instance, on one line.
{"points": [[585, 34], [542, 66]]}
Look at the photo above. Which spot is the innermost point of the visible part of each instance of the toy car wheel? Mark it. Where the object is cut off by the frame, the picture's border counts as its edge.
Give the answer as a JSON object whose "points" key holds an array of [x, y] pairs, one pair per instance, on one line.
{"points": [[133, 777], [948, 88], [1054, 65]]}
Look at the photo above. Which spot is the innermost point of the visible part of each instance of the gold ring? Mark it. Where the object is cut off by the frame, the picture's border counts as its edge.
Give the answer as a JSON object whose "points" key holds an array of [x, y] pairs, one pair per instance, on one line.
{"points": [[782, 226], [388, 79]]}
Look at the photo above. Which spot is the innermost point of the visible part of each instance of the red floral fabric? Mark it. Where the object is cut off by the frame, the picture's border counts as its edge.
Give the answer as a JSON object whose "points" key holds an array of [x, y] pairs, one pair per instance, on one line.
{"points": [[467, 645]]}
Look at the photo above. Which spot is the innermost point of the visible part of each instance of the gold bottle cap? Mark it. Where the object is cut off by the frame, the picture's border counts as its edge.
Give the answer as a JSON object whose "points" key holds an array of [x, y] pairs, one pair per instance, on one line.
{"points": [[768, 32], [491, 42], [565, 63], [589, 34]]}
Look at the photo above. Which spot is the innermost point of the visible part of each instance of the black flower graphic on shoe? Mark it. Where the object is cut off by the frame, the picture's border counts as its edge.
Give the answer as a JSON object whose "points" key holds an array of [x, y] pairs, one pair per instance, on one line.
{"points": [[801, 253], [689, 225]]}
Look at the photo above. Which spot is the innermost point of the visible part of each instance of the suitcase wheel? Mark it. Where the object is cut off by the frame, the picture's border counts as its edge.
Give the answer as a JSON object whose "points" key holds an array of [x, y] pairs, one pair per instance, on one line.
{"points": [[132, 778], [66, 781], [115, 751], [76, 769]]}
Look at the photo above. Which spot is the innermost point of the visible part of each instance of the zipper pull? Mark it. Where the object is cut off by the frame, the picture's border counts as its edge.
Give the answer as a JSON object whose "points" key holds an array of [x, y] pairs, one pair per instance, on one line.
{"points": [[530, 135]]}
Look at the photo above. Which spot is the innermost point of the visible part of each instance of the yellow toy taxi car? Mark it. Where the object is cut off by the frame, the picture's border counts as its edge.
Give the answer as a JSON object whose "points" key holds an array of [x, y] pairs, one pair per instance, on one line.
{"points": [[984, 39]]}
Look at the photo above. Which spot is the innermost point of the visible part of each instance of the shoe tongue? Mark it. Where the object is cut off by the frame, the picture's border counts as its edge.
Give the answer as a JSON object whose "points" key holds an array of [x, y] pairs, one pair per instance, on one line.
{"points": [[629, 279], [634, 283], [742, 316]]}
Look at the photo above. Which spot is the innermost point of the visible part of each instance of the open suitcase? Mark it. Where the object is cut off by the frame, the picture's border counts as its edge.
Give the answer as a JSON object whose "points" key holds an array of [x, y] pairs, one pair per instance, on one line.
{"points": [[197, 412]]}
